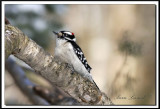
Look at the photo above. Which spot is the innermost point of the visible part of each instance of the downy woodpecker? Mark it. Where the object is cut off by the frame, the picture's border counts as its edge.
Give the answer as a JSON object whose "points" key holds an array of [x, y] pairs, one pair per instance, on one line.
{"points": [[69, 52]]}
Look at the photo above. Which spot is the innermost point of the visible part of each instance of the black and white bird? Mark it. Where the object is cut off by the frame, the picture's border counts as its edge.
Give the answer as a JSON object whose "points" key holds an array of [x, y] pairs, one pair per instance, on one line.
{"points": [[68, 51]]}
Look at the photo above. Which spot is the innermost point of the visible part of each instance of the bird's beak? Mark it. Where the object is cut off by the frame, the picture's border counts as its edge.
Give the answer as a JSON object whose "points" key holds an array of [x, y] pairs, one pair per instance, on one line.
{"points": [[55, 32]]}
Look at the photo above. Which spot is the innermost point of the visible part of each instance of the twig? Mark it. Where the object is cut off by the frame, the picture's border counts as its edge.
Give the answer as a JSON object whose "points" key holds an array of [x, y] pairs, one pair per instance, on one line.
{"points": [[6, 21]]}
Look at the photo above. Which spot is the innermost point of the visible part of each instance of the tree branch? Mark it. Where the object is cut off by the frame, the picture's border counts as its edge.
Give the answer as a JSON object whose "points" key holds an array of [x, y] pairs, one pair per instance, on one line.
{"points": [[37, 94], [23, 82], [54, 96], [84, 91]]}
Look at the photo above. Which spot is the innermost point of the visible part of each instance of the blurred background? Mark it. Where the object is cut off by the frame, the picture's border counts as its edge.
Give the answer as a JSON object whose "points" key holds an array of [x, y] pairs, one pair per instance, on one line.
{"points": [[117, 40]]}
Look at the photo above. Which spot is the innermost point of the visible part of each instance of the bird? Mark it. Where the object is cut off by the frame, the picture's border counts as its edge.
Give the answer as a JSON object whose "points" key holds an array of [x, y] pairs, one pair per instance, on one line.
{"points": [[68, 51]]}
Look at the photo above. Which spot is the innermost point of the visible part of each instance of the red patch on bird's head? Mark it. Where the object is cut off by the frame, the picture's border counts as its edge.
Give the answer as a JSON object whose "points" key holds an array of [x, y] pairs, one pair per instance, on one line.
{"points": [[72, 33]]}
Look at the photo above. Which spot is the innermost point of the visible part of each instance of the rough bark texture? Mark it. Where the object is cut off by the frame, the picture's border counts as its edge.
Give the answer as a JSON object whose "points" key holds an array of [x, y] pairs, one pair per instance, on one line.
{"points": [[60, 74]]}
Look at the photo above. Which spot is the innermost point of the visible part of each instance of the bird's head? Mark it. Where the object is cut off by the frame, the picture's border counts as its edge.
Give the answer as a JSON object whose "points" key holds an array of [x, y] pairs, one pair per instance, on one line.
{"points": [[65, 35]]}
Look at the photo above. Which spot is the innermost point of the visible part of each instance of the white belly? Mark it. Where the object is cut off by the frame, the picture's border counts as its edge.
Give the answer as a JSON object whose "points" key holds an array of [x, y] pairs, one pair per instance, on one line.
{"points": [[66, 53]]}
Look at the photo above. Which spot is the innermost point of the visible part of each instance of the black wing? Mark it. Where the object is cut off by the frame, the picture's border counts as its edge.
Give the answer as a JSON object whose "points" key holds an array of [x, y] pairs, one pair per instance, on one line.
{"points": [[80, 55]]}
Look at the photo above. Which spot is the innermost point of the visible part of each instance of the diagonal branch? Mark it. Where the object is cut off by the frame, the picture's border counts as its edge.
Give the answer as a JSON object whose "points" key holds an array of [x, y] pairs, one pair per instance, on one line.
{"points": [[37, 94], [23, 82], [18, 44], [54, 96]]}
